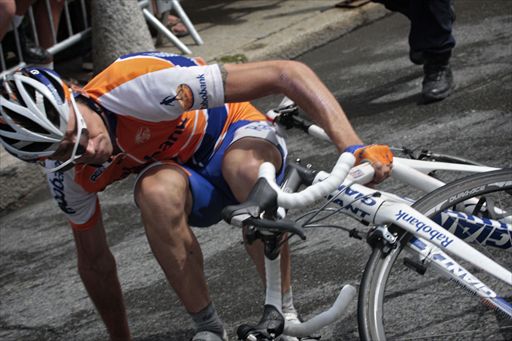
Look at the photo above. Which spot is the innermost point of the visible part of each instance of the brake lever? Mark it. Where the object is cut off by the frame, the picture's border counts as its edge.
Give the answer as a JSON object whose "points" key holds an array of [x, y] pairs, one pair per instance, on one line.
{"points": [[277, 226], [262, 198], [290, 109]]}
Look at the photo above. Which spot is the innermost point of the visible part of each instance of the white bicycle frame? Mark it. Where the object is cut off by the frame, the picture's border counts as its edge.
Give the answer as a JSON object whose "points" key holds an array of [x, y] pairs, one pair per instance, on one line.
{"points": [[430, 242], [386, 210]]}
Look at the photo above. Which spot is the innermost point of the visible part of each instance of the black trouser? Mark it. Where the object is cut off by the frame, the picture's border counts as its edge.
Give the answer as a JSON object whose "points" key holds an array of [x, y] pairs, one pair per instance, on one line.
{"points": [[431, 24]]}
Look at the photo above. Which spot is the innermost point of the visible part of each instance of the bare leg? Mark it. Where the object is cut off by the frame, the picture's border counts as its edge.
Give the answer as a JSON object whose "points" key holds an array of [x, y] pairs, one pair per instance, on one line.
{"points": [[240, 169], [7, 11], [97, 269], [46, 38], [165, 200]]}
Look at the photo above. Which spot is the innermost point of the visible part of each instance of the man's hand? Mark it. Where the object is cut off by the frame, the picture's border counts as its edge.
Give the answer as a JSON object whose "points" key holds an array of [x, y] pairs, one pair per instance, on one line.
{"points": [[380, 157]]}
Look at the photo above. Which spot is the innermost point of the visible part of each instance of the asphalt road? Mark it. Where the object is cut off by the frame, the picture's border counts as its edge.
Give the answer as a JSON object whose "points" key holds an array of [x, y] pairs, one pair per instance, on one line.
{"points": [[41, 296]]}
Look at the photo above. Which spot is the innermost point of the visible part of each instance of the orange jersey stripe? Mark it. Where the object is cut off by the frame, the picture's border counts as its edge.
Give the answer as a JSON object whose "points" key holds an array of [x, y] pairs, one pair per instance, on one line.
{"points": [[121, 72]]}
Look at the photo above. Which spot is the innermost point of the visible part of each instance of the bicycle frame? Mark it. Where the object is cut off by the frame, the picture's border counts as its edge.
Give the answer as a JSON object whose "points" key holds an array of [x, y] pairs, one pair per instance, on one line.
{"points": [[360, 203], [414, 172], [464, 225], [430, 239], [380, 208]]}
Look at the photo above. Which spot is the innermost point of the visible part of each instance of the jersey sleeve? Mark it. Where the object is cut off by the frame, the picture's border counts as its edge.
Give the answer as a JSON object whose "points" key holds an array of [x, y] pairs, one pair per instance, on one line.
{"points": [[157, 86], [80, 207]]}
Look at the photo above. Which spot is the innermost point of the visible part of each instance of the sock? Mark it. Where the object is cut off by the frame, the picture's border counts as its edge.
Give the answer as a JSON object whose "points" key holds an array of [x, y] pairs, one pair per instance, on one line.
{"points": [[208, 320], [288, 302]]}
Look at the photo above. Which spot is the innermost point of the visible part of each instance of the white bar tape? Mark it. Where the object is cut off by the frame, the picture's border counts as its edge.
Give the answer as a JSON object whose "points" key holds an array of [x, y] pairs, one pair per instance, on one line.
{"points": [[309, 327], [313, 192], [318, 132]]}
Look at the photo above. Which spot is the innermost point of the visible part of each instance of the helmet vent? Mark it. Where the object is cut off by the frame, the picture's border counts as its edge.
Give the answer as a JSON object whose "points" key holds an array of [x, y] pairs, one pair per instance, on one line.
{"points": [[8, 140], [10, 92], [6, 127], [30, 147], [51, 113], [37, 147], [25, 122]]}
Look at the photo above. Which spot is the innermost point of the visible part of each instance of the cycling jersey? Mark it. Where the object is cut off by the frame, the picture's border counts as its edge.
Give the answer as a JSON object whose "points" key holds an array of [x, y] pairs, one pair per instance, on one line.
{"points": [[148, 125], [144, 86]]}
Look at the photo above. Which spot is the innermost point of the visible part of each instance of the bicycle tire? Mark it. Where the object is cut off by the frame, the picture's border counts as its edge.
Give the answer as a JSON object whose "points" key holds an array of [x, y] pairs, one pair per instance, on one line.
{"points": [[378, 300]]}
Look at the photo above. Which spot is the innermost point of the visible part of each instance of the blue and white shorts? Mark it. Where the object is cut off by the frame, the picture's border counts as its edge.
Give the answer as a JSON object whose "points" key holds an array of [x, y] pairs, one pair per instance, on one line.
{"points": [[210, 192]]}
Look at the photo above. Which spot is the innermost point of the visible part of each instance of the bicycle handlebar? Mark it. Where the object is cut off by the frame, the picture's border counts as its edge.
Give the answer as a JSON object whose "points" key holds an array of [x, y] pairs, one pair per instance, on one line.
{"points": [[281, 225], [314, 192], [304, 329]]}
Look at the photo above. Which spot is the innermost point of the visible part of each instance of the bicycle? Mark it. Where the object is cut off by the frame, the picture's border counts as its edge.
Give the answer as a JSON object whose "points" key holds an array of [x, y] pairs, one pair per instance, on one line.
{"points": [[474, 208]]}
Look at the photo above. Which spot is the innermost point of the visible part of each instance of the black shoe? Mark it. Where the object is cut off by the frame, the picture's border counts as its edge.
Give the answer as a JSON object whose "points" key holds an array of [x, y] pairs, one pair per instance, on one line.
{"points": [[33, 54], [437, 82]]}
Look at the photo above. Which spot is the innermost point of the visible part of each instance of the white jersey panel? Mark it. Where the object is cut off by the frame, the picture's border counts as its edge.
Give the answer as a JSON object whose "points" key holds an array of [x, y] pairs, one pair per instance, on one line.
{"points": [[78, 204], [153, 96]]}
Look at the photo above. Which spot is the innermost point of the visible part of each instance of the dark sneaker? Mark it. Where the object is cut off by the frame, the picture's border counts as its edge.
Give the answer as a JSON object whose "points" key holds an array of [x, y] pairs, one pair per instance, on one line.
{"points": [[33, 54], [209, 336], [437, 82]]}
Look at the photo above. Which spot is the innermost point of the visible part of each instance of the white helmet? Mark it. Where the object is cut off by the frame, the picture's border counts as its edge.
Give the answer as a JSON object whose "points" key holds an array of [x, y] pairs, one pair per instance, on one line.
{"points": [[34, 113]]}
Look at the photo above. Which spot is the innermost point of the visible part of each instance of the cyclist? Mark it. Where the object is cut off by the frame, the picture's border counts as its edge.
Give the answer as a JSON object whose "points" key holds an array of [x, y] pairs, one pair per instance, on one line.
{"points": [[183, 127]]}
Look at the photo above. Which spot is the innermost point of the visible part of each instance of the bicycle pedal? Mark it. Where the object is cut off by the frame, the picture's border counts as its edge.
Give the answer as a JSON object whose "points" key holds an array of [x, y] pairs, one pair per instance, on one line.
{"points": [[415, 265]]}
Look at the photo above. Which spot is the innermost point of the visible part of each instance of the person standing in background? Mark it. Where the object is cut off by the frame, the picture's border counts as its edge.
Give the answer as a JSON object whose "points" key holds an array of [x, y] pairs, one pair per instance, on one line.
{"points": [[430, 41], [12, 12]]}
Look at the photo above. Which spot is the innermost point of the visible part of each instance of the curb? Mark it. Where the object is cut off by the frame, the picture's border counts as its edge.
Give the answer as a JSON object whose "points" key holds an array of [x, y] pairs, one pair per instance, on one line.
{"points": [[321, 29]]}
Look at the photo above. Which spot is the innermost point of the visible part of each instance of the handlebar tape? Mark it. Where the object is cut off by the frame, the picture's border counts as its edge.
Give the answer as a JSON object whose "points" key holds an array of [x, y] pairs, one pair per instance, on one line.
{"points": [[311, 326], [313, 192]]}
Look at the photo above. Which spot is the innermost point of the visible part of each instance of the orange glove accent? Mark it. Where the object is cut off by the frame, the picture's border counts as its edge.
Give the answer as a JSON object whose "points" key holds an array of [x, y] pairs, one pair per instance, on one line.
{"points": [[374, 153]]}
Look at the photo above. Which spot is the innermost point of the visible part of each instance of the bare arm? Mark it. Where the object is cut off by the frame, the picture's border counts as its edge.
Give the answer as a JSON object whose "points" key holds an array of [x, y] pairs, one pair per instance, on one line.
{"points": [[245, 82], [97, 269]]}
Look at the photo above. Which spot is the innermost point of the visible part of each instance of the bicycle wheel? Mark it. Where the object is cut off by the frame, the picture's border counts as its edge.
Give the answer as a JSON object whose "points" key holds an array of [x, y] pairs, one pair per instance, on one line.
{"points": [[397, 302]]}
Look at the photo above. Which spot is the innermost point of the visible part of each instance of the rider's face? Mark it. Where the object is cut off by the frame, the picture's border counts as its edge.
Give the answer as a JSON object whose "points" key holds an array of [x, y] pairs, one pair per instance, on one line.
{"points": [[94, 147]]}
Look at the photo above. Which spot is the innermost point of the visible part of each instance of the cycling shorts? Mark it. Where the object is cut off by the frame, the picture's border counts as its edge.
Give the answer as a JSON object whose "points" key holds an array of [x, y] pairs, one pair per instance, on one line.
{"points": [[210, 192]]}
